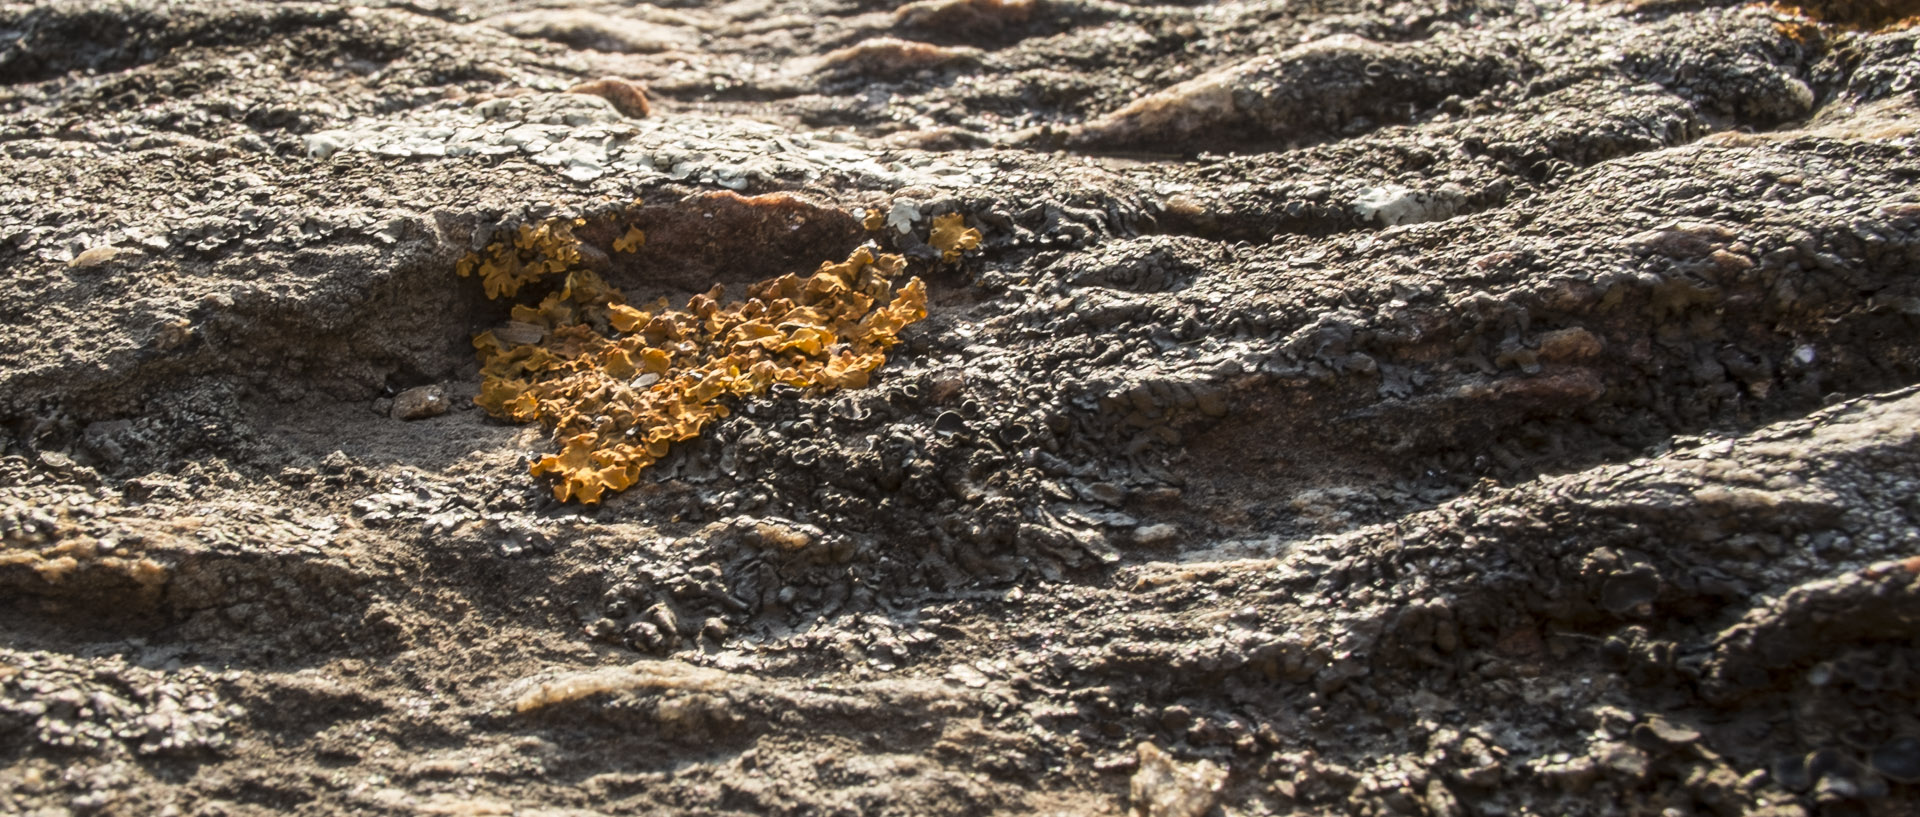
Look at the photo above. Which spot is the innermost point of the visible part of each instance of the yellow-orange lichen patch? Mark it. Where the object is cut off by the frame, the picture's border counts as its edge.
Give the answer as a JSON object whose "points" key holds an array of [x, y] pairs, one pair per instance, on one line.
{"points": [[1858, 15], [533, 252], [625, 96], [619, 384], [951, 235], [56, 558]]}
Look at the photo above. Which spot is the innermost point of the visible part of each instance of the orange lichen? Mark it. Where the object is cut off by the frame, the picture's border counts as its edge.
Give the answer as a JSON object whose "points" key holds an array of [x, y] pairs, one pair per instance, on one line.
{"points": [[535, 251], [951, 235], [1858, 15], [57, 556], [1799, 31], [619, 384], [633, 240], [873, 221], [625, 96], [55, 569]]}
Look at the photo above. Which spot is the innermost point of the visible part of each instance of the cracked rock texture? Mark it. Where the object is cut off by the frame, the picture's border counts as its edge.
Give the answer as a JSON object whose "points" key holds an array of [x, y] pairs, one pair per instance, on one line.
{"points": [[1477, 407]]}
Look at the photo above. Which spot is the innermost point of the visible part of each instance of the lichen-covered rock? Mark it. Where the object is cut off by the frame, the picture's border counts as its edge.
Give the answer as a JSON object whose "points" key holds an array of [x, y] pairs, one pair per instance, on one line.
{"points": [[1484, 407]]}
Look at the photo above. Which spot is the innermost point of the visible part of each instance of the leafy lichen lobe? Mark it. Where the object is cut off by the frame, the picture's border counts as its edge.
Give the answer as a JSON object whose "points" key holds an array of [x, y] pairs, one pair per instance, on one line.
{"points": [[619, 384]]}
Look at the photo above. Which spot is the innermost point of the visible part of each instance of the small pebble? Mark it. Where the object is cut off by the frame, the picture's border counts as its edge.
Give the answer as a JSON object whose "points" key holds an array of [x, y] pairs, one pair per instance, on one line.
{"points": [[1156, 536], [1899, 759], [420, 402]]}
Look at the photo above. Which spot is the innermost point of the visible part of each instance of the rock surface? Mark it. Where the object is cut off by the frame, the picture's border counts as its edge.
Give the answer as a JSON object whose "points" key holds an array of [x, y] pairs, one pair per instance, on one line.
{"points": [[1469, 407]]}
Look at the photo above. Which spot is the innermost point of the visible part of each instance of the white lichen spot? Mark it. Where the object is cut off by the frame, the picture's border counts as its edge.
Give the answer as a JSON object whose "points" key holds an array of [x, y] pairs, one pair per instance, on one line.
{"points": [[1393, 205], [904, 213]]}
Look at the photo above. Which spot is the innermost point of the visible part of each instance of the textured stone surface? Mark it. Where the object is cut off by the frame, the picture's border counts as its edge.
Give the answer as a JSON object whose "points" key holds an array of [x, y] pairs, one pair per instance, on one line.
{"points": [[1450, 408]]}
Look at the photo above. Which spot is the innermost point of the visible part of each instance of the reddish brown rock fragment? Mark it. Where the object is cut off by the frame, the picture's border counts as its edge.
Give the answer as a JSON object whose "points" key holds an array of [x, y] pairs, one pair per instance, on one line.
{"points": [[626, 97]]}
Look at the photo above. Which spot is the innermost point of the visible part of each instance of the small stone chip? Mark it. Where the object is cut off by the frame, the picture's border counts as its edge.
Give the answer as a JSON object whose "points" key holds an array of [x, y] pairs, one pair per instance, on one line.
{"points": [[420, 402], [1163, 787], [101, 256], [1156, 536]]}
